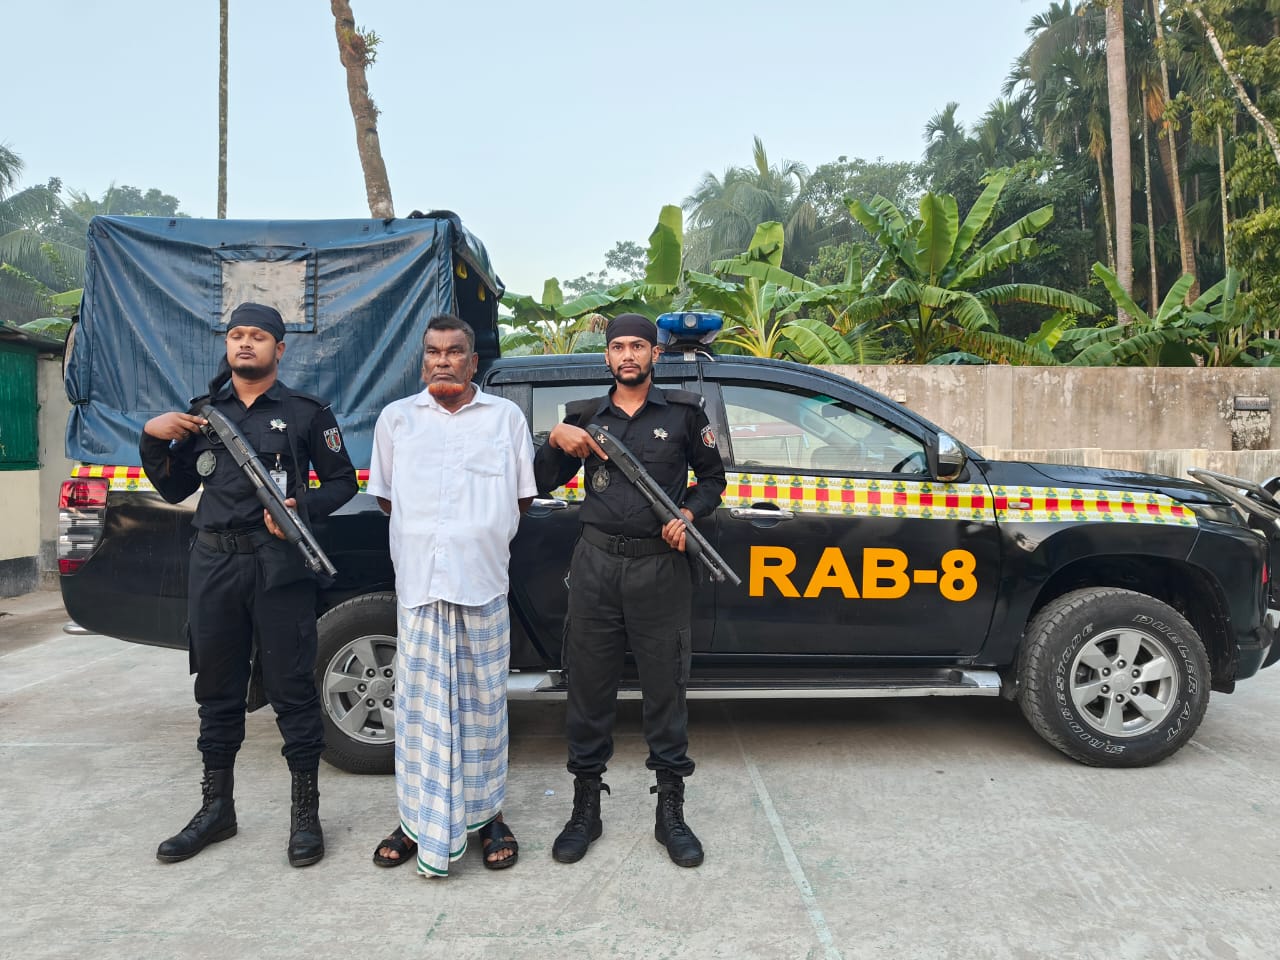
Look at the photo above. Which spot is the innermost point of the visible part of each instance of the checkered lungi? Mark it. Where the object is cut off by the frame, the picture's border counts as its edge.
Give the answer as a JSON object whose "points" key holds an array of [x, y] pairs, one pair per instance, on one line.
{"points": [[451, 724]]}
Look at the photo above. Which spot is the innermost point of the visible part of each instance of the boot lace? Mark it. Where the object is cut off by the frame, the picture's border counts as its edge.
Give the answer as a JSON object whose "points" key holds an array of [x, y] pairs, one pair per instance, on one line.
{"points": [[582, 791], [304, 790], [207, 796], [672, 799]]}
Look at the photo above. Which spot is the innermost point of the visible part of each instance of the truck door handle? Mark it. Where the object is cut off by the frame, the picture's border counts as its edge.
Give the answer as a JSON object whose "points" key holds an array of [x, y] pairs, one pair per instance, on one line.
{"points": [[759, 513], [548, 503]]}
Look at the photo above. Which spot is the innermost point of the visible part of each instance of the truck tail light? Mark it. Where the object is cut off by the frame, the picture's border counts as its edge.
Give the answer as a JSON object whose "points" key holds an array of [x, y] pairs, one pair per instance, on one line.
{"points": [[82, 508]]}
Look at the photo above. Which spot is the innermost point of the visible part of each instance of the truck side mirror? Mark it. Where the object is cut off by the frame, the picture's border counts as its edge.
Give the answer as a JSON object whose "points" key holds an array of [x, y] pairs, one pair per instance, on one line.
{"points": [[947, 458]]}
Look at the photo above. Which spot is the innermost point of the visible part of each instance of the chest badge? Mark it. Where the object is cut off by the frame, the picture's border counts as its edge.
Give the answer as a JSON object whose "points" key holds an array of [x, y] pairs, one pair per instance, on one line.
{"points": [[278, 425], [600, 480], [206, 463], [660, 433]]}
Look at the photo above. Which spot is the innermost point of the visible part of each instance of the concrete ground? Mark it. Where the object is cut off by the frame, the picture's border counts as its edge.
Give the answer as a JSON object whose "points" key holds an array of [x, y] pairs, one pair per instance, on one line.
{"points": [[885, 829]]}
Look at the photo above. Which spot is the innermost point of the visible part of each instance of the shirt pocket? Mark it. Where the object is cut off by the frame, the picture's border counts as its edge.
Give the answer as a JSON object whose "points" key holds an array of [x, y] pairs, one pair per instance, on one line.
{"points": [[487, 456], [664, 459]]}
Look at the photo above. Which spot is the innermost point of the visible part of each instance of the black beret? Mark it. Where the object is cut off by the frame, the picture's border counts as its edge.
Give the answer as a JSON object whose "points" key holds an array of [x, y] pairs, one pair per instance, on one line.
{"points": [[631, 325], [258, 315]]}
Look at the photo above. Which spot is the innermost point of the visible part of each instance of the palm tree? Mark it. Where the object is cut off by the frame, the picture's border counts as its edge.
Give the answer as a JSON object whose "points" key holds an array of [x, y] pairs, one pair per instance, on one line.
{"points": [[1237, 83], [10, 169], [725, 210], [1169, 155], [222, 109], [1121, 164], [357, 49], [1066, 77], [42, 244]]}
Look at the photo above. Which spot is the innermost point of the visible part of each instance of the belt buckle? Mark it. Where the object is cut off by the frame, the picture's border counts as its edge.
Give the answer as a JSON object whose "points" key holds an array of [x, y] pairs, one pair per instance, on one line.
{"points": [[618, 543], [230, 541]]}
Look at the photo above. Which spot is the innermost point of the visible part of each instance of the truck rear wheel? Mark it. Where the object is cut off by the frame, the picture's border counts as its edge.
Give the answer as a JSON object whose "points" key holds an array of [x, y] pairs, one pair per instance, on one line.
{"points": [[355, 677], [1113, 678]]}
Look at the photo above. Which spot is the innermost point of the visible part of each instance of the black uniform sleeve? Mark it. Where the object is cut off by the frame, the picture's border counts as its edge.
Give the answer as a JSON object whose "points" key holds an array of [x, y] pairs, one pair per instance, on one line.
{"points": [[707, 465], [333, 467], [554, 468], [171, 469]]}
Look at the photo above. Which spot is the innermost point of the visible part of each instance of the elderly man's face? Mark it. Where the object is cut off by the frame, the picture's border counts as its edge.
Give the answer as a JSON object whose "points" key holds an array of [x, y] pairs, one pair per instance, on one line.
{"points": [[448, 363]]}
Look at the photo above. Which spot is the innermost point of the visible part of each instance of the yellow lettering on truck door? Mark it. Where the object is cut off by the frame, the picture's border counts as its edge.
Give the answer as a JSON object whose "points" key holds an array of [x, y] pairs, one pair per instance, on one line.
{"points": [[831, 571], [884, 573], [772, 563]]}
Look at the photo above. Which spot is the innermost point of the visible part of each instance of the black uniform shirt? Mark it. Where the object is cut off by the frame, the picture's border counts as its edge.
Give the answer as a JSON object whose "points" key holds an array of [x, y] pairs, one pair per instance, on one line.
{"points": [[669, 434], [277, 417]]}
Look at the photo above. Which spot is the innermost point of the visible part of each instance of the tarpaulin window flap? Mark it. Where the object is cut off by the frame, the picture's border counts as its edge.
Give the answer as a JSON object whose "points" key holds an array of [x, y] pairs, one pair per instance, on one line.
{"points": [[357, 295]]}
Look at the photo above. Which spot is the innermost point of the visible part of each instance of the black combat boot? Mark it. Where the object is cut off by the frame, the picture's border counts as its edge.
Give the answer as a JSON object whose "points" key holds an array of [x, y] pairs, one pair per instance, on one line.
{"points": [[670, 830], [306, 840], [584, 823], [215, 820]]}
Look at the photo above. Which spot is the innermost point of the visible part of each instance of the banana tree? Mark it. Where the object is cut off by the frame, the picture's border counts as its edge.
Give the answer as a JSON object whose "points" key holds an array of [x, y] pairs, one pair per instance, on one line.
{"points": [[935, 296], [755, 305], [1225, 333], [550, 325], [1160, 339], [832, 337], [1216, 330]]}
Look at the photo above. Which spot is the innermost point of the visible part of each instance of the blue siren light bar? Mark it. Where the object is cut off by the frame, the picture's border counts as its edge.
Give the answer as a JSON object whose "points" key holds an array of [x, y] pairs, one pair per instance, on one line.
{"points": [[689, 325]]}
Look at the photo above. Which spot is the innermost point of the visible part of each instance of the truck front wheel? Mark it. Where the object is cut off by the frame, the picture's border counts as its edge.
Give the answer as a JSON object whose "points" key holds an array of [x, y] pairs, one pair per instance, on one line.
{"points": [[1113, 678], [355, 677]]}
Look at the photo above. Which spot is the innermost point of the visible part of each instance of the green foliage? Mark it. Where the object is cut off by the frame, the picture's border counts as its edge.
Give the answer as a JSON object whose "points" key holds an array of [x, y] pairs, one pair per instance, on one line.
{"points": [[725, 210], [934, 298], [623, 263], [552, 325], [125, 201]]}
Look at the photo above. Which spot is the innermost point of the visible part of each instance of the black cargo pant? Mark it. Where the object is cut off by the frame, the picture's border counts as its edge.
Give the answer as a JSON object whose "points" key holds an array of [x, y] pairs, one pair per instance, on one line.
{"points": [[617, 601], [228, 602]]}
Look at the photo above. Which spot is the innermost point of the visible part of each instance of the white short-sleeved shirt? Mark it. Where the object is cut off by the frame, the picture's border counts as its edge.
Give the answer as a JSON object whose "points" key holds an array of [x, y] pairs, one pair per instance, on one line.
{"points": [[453, 480]]}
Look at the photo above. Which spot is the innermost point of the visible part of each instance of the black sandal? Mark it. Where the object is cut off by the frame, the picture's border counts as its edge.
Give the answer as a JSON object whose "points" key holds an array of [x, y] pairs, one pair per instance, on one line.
{"points": [[496, 836], [398, 842]]}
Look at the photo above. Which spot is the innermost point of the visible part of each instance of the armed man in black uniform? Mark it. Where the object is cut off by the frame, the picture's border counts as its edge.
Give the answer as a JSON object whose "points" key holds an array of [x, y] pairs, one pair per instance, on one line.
{"points": [[630, 582], [247, 583]]}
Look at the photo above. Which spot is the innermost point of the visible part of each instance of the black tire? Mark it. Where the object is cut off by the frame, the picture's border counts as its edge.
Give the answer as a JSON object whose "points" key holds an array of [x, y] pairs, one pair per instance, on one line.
{"points": [[1080, 644], [358, 636]]}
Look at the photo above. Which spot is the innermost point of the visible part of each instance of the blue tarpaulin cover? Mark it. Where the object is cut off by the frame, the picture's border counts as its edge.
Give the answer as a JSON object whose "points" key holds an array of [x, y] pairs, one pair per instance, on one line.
{"points": [[356, 296]]}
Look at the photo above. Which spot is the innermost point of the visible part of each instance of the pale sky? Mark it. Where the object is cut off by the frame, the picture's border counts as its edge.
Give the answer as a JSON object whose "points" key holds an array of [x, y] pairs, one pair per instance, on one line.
{"points": [[553, 128]]}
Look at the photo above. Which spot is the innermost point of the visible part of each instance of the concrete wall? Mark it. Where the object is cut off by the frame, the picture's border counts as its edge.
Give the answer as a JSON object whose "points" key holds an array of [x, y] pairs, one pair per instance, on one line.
{"points": [[1129, 408], [54, 465], [19, 532], [29, 498]]}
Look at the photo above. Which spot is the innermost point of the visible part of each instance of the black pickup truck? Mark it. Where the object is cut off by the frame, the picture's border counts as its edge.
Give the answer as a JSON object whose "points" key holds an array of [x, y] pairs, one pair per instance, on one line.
{"points": [[879, 557]]}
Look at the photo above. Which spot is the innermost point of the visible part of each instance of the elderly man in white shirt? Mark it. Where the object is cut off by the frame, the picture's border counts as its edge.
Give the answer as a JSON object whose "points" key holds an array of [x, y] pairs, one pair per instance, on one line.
{"points": [[453, 468]]}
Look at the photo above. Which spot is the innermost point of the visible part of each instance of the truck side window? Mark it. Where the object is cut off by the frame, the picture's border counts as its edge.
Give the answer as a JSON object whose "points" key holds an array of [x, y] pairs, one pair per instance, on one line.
{"points": [[795, 431], [549, 401]]}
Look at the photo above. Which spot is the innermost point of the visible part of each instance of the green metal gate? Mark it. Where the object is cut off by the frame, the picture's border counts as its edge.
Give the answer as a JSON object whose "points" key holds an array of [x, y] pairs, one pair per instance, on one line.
{"points": [[19, 439]]}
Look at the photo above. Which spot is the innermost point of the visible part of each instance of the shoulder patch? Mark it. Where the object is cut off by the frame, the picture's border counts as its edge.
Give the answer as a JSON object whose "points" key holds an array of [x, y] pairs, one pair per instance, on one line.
{"points": [[687, 397], [306, 396], [577, 409]]}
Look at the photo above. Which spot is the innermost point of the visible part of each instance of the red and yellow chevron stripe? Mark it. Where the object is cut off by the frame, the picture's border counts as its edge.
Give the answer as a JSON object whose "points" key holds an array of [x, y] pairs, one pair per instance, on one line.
{"points": [[133, 478], [939, 501], [867, 498]]}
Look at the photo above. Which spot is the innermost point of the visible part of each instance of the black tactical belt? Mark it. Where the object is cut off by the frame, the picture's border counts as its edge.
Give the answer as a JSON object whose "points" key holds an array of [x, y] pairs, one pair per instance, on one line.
{"points": [[625, 546], [234, 541]]}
